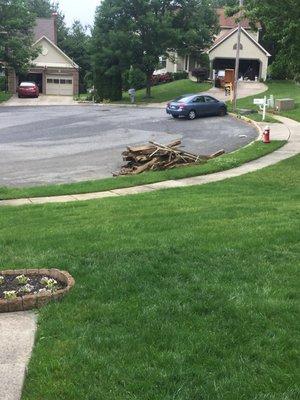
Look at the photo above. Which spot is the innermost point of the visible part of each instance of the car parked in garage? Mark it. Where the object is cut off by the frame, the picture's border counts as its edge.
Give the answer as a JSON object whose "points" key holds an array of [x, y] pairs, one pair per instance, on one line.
{"points": [[192, 106], [28, 89]]}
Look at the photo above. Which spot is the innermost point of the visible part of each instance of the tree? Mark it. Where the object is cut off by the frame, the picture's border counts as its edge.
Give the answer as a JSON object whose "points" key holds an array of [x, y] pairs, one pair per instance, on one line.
{"points": [[76, 45], [16, 36], [137, 32]]}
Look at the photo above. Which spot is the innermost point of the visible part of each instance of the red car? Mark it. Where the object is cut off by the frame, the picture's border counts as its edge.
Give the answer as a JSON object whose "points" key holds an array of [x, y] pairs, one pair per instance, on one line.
{"points": [[28, 89]]}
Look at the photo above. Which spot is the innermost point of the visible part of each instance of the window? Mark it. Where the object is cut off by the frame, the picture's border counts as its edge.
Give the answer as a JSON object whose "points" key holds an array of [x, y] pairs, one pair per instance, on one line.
{"points": [[56, 81], [49, 80], [235, 46], [199, 99], [63, 81], [69, 81], [162, 62], [209, 99]]}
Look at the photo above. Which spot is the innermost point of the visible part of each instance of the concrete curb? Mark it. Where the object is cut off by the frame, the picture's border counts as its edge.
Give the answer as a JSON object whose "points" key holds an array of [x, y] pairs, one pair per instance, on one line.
{"points": [[290, 149]]}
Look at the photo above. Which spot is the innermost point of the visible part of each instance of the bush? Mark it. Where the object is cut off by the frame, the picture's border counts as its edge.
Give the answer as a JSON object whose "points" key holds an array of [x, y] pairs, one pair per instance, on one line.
{"points": [[280, 70], [297, 77], [180, 75], [162, 78], [133, 78], [201, 74]]}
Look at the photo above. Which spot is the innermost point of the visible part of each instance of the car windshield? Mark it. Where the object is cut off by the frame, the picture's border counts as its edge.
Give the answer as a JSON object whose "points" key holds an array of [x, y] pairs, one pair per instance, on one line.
{"points": [[27, 84], [183, 99]]}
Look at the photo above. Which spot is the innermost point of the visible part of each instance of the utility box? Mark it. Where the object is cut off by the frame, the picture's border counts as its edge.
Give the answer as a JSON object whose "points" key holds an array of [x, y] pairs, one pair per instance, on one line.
{"points": [[284, 104]]}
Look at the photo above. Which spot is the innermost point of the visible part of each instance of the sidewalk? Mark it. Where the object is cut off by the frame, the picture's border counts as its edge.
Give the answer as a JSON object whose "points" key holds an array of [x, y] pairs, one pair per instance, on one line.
{"points": [[288, 130], [17, 331]]}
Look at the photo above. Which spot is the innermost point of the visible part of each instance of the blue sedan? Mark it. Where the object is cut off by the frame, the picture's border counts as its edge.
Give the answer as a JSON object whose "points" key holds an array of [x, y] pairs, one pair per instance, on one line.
{"points": [[192, 106]]}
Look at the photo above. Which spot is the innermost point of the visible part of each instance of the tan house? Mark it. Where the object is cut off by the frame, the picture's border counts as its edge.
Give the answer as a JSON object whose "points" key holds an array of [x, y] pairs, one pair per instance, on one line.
{"points": [[253, 57], [53, 71]]}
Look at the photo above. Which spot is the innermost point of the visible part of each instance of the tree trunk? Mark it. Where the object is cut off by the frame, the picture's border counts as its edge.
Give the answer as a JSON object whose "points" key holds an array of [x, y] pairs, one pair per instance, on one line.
{"points": [[149, 85]]}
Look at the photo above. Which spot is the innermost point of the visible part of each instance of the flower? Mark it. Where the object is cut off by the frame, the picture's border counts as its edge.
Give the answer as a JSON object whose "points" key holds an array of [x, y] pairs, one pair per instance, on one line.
{"points": [[10, 295], [22, 280], [1, 280], [26, 289], [49, 283]]}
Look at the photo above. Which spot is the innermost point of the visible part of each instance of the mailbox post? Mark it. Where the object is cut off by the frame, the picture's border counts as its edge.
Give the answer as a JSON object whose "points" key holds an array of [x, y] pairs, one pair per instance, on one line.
{"points": [[262, 103]]}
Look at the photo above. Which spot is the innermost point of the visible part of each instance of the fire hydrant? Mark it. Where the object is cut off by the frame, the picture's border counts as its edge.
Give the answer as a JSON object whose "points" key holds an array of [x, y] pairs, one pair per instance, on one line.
{"points": [[266, 135]]}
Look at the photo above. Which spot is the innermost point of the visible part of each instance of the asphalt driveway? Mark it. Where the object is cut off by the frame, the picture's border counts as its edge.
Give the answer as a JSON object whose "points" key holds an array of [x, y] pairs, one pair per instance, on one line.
{"points": [[41, 145]]}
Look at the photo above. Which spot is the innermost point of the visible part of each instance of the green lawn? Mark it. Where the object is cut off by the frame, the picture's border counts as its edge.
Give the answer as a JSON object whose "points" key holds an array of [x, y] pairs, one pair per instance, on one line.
{"points": [[188, 293], [4, 96], [227, 161], [280, 89], [168, 91]]}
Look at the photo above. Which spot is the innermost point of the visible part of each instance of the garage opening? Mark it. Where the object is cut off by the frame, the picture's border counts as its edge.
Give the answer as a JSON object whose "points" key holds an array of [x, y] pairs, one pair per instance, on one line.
{"points": [[248, 68], [59, 85], [33, 77]]}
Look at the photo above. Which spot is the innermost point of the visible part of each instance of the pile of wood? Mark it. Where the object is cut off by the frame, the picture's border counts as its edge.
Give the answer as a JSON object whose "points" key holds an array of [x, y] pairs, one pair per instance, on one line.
{"points": [[155, 156]]}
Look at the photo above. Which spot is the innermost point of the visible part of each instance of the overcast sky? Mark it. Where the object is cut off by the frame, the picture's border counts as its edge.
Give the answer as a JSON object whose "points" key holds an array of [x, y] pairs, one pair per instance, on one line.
{"points": [[84, 10]]}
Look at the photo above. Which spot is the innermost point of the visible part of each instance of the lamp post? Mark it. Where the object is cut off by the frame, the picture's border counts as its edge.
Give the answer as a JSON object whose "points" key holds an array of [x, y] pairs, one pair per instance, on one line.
{"points": [[237, 58]]}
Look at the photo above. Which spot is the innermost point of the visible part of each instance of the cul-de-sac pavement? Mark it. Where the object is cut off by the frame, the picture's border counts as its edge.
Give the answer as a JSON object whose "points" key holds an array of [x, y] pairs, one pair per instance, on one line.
{"points": [[69, 143]]}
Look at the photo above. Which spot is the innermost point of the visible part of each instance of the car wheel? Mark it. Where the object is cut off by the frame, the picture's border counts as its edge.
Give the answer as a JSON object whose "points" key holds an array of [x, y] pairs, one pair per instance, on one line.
{"points": [[222, 112], [175, 116], [192, 115]]}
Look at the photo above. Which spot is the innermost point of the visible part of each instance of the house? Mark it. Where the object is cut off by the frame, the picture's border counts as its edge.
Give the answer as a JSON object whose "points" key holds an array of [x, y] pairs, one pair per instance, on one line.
{"points": [[253, 57], [53, 71]]}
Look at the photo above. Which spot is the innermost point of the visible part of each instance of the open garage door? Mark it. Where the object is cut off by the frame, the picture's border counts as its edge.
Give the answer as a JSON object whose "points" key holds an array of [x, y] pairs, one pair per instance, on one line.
{"points": [[248, 68], [59, 85]]}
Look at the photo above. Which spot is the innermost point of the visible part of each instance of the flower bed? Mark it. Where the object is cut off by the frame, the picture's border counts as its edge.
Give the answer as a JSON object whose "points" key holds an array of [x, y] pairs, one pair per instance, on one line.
{"points": [[25, 289]]}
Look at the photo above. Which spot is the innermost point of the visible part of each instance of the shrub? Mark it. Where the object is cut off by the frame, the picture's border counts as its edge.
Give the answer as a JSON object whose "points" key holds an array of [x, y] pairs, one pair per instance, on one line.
{"points": [[201, 74], [162, 78], [22, 280], [10, 295], [180, 75], [133, 78]]}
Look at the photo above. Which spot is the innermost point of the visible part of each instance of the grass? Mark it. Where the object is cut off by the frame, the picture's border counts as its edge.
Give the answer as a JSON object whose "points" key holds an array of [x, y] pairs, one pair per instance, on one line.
{"points": [[4, 96], [227, 161], [168, 91], [258, 117], [188, 293], [280, 89]]}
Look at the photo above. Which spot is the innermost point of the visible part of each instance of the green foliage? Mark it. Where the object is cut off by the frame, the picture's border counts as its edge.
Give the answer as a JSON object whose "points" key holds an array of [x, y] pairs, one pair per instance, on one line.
{"points": [[136, 33], [76, 44], [280, 31], [134, 78], [180, 75], [16, 36]]}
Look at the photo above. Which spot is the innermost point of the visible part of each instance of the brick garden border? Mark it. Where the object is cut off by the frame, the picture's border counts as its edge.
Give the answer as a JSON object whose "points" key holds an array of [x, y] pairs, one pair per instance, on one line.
{"points": [[30, 301]]}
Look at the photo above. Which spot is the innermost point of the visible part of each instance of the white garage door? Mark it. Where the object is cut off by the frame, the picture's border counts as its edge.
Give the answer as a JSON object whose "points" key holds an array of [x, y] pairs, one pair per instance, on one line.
{"points": [[59, 85]]}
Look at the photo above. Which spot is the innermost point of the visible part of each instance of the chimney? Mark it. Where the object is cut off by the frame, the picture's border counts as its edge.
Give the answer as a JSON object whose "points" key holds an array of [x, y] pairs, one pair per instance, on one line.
{"points": [[54, 16]]}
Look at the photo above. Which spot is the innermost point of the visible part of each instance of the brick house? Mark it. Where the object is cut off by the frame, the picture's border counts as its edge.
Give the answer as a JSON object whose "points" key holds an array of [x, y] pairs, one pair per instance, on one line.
{"points": [[53, 71], [253, 57]]}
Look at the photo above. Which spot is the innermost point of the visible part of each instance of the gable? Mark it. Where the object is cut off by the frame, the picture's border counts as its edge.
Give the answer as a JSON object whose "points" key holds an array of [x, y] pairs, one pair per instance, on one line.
{"points": [[226, 47], [51, 55]]}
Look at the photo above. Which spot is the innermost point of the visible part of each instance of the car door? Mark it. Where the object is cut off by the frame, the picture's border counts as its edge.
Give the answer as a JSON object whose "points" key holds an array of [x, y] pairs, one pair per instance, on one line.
{"points": [[212, 105], [199, 105]]}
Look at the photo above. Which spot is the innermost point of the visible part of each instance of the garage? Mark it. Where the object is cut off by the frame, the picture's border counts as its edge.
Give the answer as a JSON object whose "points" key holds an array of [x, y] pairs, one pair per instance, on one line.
{"points": [[59, 85]]}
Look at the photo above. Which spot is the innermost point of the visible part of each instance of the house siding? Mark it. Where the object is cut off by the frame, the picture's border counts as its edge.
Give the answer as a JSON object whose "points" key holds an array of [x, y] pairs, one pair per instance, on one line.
{"points": [[250, 51]]}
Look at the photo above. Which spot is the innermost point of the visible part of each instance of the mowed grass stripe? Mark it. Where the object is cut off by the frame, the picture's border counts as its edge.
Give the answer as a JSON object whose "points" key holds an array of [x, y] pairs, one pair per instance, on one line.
{"points": [[188, 293]]}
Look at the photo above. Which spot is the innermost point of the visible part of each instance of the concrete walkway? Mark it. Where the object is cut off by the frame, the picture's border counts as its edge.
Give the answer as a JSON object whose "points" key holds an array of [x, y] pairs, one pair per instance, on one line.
{"points": [[42, 100], [245, 89], [288, 130], [17, 332]]}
